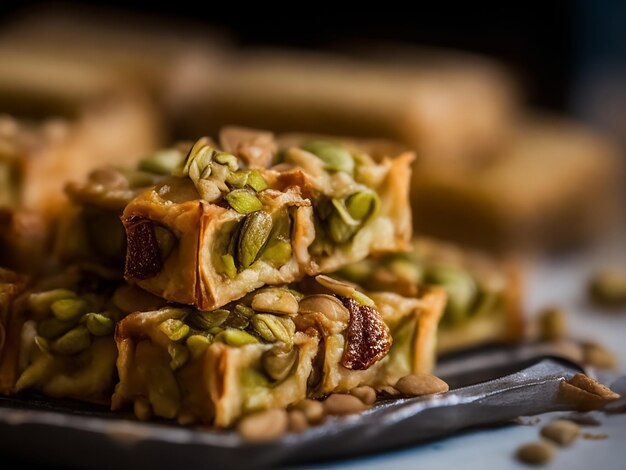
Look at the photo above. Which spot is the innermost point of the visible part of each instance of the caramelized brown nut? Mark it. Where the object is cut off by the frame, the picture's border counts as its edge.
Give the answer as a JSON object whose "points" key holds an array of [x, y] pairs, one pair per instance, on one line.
{"points": [[421, 384], [341, 404], [561, 431], [312, 409], [264, 426], [297, 421], [536, 453], [364, 393]]}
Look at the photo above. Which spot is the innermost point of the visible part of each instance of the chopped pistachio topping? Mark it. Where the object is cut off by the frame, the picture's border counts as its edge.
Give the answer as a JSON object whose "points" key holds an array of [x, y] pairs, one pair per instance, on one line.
{"points": [[174, 329], [68, 309], [40, 302], [256, 181], [273, 328], [229, 266], [334, 156], [459, 286], [255, 232], [243, 201], [99, 324], [197, 345], [72, 342], [162, 162], [207, 320], [179, 355], [235, 337]]}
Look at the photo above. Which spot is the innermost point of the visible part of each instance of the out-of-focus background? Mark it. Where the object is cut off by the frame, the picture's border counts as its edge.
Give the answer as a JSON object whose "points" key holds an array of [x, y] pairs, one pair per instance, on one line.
{"points": [[517, 112]]}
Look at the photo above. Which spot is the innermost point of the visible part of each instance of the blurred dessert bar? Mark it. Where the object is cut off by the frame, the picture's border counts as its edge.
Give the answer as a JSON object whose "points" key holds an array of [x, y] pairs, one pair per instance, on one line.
{"points": [[555, 184], [484, 294], [448, 107]]}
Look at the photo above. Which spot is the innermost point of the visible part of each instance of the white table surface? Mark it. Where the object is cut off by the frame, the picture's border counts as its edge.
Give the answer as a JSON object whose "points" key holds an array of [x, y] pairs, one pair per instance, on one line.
{"points": [[557, 282]]}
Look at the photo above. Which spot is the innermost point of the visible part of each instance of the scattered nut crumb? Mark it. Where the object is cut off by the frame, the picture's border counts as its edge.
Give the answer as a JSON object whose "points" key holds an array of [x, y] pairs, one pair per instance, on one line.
{"points": [[421, 384], [561, 432], [342, 404], [595, 437], [264, 426], [297, 421], [552, 324], [536, 453], [364, 393], [312, 409]]}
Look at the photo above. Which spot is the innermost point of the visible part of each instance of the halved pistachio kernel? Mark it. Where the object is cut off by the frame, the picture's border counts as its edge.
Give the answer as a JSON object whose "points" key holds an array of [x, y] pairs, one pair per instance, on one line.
{"points": [[341, 225], [275, 300], [256, 181], [52, 328], [40, 302], [362, 204], [197, 344], [278, 362], [179, 355], [244, 310], [227, 159], [328, 305], [207, 320], [273, 328], [42, 344], [216, 330], [174, 329], [99, 324], [235, 337], [278, 252], [238, 179], [344, 289], [162, 162], [165, 239], [356, 272], [255, 231], [229, 266], [68, 309], [243, 201], [72, 342], [334, 156], [405, 269], [459, 286], [198, 160], [238, 320]]}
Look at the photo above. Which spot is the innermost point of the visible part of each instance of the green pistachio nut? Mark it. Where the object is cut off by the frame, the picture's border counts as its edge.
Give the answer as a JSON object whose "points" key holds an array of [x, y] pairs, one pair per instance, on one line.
{"points": [[165, 239], [40, 302], [341, 225], [237, 319], [197, 345], [460, 288], [197, 165], [99, 324], [224, 158], [243, 201], [230, 269], [278, 252], [273, 328], [362, 205], [204, 321], [52, 328], [255, 232], [174, 329], [256, 181], [238, 179], [236, 338], [179, 355], [279, 361], [163, 162], [334, 156], [69, 309], [72, 342]]}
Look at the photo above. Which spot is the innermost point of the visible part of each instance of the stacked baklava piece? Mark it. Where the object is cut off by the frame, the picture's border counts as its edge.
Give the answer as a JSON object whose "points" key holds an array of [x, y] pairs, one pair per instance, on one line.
{"points": [[219, 278]]}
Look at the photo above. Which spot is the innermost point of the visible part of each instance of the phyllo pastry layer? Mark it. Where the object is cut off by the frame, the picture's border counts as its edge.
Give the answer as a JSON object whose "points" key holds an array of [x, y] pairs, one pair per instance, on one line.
{"points": [[263, 212]]}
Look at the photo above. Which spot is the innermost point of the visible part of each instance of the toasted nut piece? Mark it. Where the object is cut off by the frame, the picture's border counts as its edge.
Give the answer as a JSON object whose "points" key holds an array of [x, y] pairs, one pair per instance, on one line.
{"points": [[264, 426], [536, 453], [561, 431], [597, 356], [279, 301], [342, 404], [421, 384], [312, 409], [329, 305], [297, 421], [334, 156], [364, 393], [279, 361], [586, 394], [255, 231], [552, 324], [344, 289]]}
